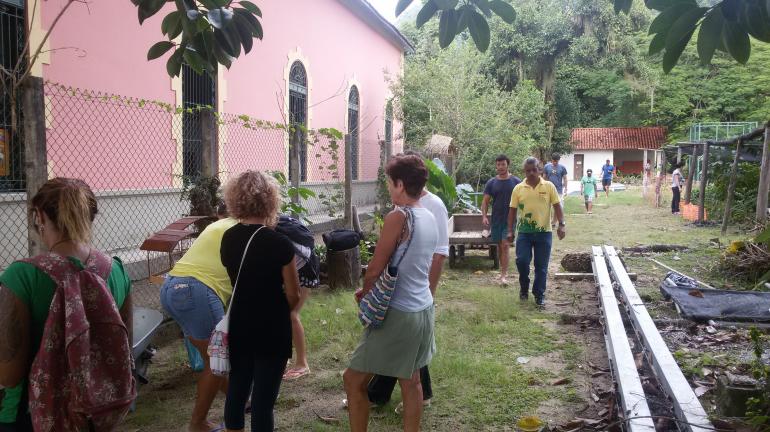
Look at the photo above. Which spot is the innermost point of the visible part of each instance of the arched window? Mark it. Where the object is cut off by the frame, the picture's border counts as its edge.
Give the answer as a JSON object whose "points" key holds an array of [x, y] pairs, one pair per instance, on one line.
{"points": [[389, 128], [298, 113], [353, 126]]}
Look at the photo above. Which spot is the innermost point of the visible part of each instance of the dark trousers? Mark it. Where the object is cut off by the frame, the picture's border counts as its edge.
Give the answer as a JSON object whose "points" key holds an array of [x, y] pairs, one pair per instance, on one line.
{"points": [[262, 377], [540, 243], [675, 200], [380, 388], [23, 424]]}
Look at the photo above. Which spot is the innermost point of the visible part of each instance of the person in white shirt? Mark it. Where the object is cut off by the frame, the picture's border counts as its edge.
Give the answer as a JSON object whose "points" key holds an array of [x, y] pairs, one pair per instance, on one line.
{"points": [[676, 182], [380, 387]]}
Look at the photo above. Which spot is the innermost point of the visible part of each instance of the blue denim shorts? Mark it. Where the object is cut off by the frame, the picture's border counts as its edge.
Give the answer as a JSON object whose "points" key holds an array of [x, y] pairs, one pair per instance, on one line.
{"points": [[193, 305]]}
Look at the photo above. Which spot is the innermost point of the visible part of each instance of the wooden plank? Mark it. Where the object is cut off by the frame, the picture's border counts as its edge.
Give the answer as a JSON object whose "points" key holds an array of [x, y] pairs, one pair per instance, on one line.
{"points": [[764, 180], [630, 388], [687, 407]]}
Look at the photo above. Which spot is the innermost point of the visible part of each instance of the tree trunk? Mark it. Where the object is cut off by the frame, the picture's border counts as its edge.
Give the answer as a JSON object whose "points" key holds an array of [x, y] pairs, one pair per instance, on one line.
{"points": [[691, 174], [546, 82], [344, 268], [35, 153], [703, 181]]}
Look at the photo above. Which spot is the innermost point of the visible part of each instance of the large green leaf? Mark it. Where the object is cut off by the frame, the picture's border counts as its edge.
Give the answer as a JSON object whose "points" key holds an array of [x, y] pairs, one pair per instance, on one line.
{"points": [[483, 6], [402, 5], [462, 18], [684, 26], [503, 10], [764, 236], [731, 9], [446, 4], [756, 21], [244, 31], [447, 27], [709, 35], [672, 54], [426, 13], [256, 27], [174, 63], [195, 61], [251, 7], [171, 21], [149, 8], [222, 57], [664, 21], [736, 41], [159, 49], [479, 29], [657, 43]]}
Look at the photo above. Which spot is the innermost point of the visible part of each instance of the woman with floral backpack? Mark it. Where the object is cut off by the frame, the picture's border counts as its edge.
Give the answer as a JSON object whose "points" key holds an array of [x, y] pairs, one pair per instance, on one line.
{"points": [[85, 383]]}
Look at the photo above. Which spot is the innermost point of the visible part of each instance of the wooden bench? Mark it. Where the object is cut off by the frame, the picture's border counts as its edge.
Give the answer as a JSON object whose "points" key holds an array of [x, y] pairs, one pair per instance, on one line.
{"points": [[166, 241]]}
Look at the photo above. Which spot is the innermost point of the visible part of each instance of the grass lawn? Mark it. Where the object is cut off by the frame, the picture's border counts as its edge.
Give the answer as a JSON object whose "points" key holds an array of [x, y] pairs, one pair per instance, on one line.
{"points": [[481, 329]]}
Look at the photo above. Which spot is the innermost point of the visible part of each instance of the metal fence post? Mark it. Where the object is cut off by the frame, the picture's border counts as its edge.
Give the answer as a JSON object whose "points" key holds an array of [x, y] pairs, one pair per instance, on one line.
{"points": [[209, 143], [704, 178], [764, 179], [295, 170], [348, 181], [35, 158]]}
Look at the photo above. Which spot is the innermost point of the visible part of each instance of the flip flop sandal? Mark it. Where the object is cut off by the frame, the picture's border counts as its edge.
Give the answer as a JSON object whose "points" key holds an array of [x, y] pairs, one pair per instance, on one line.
{"points": [[293, 374], [219, 428]]}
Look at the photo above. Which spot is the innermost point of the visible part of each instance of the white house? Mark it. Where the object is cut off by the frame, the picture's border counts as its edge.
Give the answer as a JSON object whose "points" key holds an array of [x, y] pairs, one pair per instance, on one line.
{"points": [[624, 147]]}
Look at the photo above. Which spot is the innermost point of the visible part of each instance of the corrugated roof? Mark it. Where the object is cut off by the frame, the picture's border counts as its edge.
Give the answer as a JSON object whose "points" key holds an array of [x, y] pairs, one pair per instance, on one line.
{"points": [[618, 138], [439, 144]]}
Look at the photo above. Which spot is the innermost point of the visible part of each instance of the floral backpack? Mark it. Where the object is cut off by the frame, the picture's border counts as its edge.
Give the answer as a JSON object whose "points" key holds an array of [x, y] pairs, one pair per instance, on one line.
{"points": [[81, 377]]}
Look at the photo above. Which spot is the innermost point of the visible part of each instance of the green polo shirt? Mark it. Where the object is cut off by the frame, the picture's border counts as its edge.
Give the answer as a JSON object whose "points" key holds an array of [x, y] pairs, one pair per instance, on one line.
{"points": [[534, 205], [35, 289]]}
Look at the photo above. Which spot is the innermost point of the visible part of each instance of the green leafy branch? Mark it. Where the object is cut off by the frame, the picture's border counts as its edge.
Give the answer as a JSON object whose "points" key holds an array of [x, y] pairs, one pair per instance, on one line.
{"points": [[203, 33]]}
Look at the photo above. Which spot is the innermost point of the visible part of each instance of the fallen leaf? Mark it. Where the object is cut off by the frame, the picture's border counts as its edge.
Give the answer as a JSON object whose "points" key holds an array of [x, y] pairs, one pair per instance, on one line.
{"points": [[706, 372], [700, 391], [478, 272], [676, 258], [522, 360], [603, 413], [326, 419], [696, 293], [561, 381], [597, 374], [710, 330], [639, 360], [594, 397]]}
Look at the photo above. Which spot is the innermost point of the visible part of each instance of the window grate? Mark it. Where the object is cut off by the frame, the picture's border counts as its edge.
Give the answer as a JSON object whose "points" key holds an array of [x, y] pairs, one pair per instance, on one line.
{"points": [[298, 113], [198, 90], [353, 129], [12, 39]]}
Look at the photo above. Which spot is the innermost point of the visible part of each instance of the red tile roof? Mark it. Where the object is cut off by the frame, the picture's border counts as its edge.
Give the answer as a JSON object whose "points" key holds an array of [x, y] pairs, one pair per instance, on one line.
{"points": [[618, 138]]}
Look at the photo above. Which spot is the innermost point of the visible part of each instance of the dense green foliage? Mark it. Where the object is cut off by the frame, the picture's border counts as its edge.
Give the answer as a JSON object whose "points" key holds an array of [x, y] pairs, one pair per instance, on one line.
{"points": [[566, 64]]}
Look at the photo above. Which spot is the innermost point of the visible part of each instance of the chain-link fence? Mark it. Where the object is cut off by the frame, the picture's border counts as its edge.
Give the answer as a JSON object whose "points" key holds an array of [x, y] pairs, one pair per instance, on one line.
{"points": [[139, 157]]}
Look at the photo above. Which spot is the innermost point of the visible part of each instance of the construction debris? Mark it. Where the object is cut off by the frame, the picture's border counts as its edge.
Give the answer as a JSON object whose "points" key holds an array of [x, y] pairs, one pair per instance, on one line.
{"points": [[659, 248]]}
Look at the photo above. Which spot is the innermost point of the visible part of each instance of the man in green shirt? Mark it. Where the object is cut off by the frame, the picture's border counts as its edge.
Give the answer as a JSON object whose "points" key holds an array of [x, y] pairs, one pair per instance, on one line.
{"points": [[588, 190]]}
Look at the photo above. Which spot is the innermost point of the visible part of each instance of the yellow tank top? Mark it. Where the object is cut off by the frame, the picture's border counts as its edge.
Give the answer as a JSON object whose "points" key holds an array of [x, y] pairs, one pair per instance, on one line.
{"points": [[202, 260]]}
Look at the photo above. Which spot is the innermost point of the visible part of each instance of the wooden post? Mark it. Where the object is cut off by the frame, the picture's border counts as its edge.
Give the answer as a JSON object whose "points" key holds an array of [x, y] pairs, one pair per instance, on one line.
{"points": [[209, 142], [679, 155], [764, 180], [703, 181], [731, 188], [344, 268], [645, 178], [692, 166], [348, 181], [295, 173], [35, 154]]}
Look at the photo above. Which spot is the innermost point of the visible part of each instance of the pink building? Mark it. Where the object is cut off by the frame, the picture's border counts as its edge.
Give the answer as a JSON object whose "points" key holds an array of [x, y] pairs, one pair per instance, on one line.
{"points": [[322, 63]]}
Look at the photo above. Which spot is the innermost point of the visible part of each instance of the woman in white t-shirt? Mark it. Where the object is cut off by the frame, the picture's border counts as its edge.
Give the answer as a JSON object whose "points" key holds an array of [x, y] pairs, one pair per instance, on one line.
{"points": [[676, 181]]}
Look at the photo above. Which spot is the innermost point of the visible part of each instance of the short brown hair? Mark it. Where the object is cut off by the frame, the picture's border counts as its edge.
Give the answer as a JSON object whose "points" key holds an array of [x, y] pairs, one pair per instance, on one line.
{"points": [[410, 170], [253, 194], [70, 204]]}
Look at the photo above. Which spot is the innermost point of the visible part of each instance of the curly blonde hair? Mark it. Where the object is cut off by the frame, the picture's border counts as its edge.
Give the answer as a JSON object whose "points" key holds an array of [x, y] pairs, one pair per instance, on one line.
{"points": [[253, 194]]}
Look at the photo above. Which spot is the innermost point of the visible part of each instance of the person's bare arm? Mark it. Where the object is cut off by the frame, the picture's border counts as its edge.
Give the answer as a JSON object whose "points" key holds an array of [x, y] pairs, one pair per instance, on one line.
{"points": [[391, 231], [127, 314], [512, 212], [436, 266], [484, 208], [561, 231], [291, 283], [14, 338]]}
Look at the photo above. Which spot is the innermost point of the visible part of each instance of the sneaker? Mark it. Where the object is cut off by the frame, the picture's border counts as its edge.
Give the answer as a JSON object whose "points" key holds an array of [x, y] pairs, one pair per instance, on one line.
{"points": [[523, 296], [540, 301], [400, 407]]}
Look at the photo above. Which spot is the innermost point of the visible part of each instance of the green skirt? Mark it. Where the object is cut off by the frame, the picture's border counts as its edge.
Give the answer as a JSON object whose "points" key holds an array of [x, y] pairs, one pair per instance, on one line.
{"points": [[403, 344]]}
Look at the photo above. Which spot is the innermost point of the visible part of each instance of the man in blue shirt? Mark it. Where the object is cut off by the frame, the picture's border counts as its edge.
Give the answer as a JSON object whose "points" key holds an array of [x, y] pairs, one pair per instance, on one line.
{"points": [[607, 171], [556, 173], [499, 189]]}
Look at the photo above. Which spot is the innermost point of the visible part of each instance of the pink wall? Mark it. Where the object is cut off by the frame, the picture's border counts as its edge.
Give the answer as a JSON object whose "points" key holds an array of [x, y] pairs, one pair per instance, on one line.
{"points": [[338, 46]]}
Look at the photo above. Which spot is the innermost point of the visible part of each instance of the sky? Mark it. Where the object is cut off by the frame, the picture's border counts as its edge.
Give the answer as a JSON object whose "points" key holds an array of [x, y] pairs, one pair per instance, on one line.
{"points": [[387, 8]]}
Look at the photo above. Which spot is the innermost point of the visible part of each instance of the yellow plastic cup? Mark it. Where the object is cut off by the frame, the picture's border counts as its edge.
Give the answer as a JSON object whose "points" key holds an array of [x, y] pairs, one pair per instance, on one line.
{"points": [[529, 424]]}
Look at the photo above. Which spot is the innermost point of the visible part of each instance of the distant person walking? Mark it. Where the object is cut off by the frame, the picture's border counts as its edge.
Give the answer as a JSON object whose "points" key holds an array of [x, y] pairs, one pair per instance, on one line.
{"points": [[608, 170], [588, 190], [556, 173], [532, 202], [499, 189], [676, 184]]}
